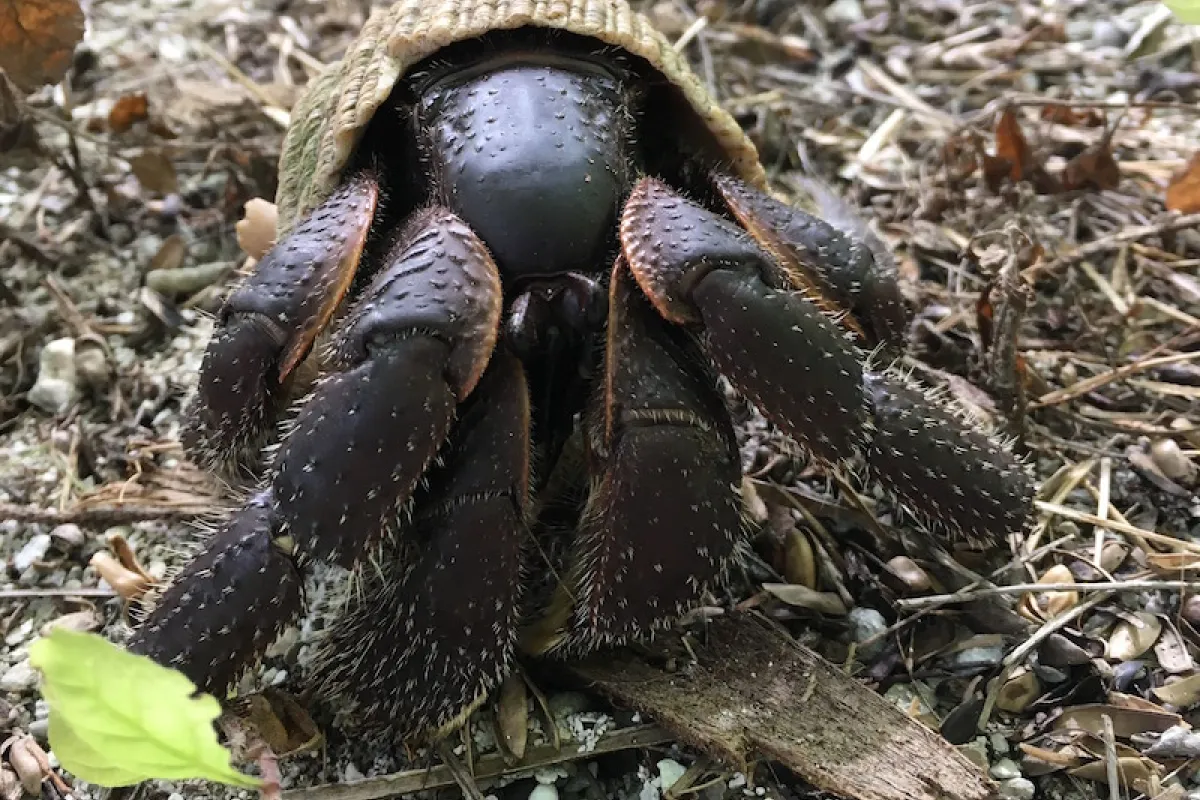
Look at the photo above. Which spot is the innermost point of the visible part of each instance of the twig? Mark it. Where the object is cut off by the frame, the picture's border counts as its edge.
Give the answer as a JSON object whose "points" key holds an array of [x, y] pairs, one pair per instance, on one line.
{"points": [[1110, 758], [32, 594], [27, 246], [1102, 504], [491, 766], [1119, 527], [122, 515], [1096, 381], [464, 779], [1113, 242], [1022, 588]]}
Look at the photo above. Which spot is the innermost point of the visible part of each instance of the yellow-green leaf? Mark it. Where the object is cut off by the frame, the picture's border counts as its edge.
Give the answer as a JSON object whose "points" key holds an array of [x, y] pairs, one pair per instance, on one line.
{"points": [[117, 719], [1188, 11]]}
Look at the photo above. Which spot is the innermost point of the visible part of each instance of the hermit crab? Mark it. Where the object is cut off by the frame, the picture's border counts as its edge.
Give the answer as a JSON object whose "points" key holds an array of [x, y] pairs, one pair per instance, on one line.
{"points": [[519, 247]]}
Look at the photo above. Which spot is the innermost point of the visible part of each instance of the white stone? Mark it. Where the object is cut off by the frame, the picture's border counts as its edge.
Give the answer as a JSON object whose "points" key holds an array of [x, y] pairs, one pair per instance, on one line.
{"points": [[54, 389], [34, 550], [1017, 789], [669, 771], [20, 677], [544, 791]]}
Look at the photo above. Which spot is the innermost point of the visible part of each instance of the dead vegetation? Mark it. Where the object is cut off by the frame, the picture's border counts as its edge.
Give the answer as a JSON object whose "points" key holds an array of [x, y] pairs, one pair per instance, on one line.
{"points": [[1034, 168]]}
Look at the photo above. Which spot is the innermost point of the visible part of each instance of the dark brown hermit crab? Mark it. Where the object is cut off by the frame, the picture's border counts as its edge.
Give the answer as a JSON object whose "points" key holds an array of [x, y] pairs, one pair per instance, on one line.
{"points": [[507, 226]]}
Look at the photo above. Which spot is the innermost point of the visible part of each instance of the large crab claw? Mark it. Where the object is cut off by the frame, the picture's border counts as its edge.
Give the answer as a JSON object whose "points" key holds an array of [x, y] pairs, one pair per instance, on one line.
{"points": [[409, 351], [780, 349]]}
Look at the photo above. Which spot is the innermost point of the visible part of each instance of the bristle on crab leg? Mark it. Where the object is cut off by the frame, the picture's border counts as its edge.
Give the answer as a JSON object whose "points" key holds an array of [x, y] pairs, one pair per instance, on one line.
{"points": [[815, 255], [434, 629], [663, 522], [787, 356], [268, 326], [409, 351]]}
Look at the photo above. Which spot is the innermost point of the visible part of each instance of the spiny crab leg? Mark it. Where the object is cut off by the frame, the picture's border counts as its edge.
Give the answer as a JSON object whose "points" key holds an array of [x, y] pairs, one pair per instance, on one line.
{"points": [[434, 629], [818, 257], [410, 350], [665, 466], [702, 272], [268, 326]]}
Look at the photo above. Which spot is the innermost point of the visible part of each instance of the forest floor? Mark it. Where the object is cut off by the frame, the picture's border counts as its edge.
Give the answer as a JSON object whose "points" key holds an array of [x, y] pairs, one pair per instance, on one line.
{"points": [[1028, 165]]}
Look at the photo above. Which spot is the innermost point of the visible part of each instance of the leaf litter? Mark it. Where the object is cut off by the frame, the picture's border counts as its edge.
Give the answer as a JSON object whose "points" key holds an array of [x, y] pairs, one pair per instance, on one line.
{"points": [[1034, 170]]}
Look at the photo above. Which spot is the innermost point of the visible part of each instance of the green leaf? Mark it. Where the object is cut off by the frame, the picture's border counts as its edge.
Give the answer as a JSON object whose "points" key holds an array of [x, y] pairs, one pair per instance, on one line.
{"points": [[117, 719], [1188, 11]]}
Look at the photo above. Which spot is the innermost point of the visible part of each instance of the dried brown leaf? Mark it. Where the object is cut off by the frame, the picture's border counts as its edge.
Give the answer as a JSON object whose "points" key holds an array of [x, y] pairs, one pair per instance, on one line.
{"points": [[1182, 693], [171, 254], [155, 172], [1019, 692], [512, 717], [38, 39], [803, 597], [280, 721], [128, 110], [1041, 606], [1062, 114], [1094, 168], [1183, 193], [1172, 652], [1126, 721], [1063, 759], [799, 561], [1139, 774], [1172, 564], [125, 582], [1012, 146], [1133, 636]]}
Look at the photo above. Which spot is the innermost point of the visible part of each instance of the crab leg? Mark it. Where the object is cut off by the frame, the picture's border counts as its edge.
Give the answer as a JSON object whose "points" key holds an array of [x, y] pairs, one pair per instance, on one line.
{"points": [[411, 349], [268, 326], [664, 517], [701, 271], [434, 628], [818, 258]]}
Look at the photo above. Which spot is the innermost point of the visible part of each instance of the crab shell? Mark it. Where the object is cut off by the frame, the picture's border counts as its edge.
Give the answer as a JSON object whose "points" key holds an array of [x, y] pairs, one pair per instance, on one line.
{"points": [[330, 117]]}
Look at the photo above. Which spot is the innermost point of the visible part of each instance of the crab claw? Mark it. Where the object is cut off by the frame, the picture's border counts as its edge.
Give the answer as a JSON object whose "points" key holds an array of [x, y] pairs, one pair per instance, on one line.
{"points": [[268, 326], [410, 350], [793, 361]]}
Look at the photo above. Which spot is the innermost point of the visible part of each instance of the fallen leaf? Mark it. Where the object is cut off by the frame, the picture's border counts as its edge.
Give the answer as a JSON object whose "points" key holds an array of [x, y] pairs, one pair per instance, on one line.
{"points": [[799, 562], [129, 109], [117, 719], [1063, 759], [1183, 693], [1188, 11], [1012, 146], [38, 39], [1063, 114], [802, 597], [280, 721], [1019, 692], [1133, 636], [1094, 168], [1126, 721], [1171, 564], [170, 255], [1133, 773], [154, 172], [1172, 652], [1183, 193], [1041, 606]]}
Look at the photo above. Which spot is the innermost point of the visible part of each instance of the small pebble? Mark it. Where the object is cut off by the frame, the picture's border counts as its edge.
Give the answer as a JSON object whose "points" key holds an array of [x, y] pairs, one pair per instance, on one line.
{"points": [[999, 744], [865, 623], [40, 730], [19, 633], [1005, 769], [20, 677], [174, 796], [669, 771], [68, 536], [1171, 460], [54, 390], [564, 704], [544, 791], [975, 657], [1017, 789], [34, 550], [976, 752]]}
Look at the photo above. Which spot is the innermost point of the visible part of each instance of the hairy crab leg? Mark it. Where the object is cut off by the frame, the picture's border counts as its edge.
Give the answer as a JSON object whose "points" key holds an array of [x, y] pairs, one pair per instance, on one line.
{"points": [[433, 630], [663, 520], [412, 348], [817, 257], [268, 326], [703, 272]]}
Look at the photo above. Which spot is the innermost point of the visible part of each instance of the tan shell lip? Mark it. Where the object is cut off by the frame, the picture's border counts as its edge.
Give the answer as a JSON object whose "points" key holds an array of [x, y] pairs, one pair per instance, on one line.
{"points": [[329, 118]]}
